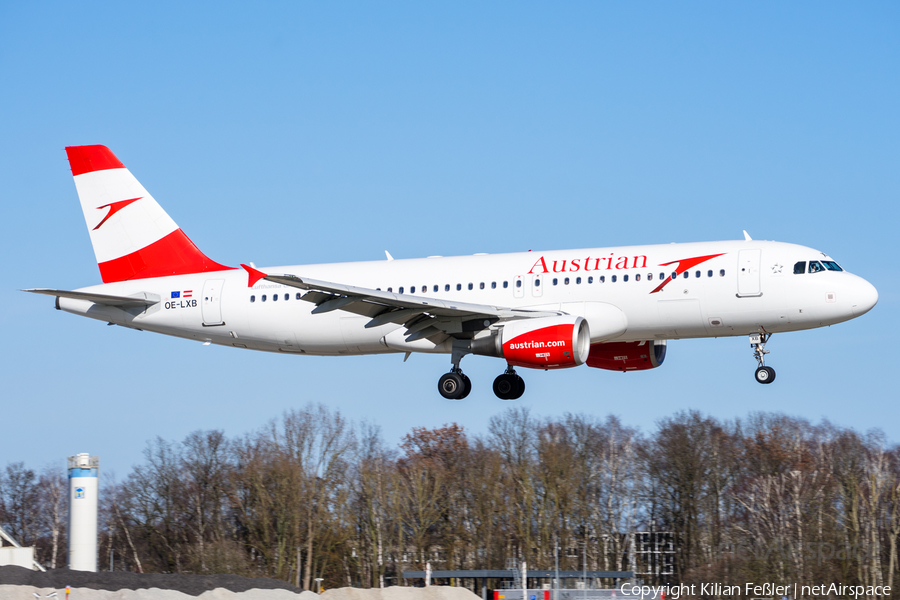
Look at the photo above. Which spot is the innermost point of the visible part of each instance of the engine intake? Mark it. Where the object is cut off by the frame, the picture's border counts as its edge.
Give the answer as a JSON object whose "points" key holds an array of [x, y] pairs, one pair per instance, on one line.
{"points": [[627, 356], [545, 343]]}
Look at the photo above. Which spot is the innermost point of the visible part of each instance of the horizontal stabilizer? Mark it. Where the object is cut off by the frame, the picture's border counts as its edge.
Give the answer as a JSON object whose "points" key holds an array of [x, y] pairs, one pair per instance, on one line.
{"points": [[144, 299]]}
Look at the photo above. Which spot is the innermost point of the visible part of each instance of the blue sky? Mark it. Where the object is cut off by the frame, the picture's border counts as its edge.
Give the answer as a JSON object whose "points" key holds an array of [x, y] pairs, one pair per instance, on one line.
{"points": [[300, 132]]}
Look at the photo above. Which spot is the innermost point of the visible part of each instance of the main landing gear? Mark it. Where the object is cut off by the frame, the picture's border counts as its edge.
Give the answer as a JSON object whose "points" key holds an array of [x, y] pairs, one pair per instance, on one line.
{"points": [[758, 341], [455, 385]]}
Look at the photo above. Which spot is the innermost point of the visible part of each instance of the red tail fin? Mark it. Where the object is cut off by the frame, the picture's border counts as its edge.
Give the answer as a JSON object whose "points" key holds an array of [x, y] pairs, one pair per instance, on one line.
{"points": [[132, 235]]}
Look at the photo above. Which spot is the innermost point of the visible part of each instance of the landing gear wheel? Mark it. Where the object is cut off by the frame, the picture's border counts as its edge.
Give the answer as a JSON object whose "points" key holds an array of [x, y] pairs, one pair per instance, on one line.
{"points": [[765, 374], [467, 386], [509, 386], [452, 386], [520, 388], [506, 386]]}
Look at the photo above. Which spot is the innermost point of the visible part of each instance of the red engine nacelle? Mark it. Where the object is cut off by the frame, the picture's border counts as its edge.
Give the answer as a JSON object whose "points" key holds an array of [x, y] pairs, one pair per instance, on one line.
{"points": [[627, 356], [545, 343]]}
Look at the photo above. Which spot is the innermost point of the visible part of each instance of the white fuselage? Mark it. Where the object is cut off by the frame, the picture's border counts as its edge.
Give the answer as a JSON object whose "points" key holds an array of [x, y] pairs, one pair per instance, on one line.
{"points": [[750, 287]]}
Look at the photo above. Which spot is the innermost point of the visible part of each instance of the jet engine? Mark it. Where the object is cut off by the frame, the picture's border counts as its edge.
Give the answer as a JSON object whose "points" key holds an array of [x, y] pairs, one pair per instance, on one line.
{"points": [[544, 343], [627, 356]]}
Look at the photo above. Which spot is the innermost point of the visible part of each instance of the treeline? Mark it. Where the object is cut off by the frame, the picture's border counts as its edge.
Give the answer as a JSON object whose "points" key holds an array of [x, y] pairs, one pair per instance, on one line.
{"points": [[766, 498]]}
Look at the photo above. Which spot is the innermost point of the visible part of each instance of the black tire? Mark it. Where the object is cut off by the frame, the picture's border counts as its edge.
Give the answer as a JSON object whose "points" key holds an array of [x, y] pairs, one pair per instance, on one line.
{"points": [[467, 386], [505, 386], [520, 388], [765, 375], [451, 386]]}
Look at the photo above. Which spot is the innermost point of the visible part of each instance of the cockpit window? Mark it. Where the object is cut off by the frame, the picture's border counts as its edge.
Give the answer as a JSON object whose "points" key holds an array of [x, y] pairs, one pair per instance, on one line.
{"points": [[815, 266], [831, 265], [800, 267]]}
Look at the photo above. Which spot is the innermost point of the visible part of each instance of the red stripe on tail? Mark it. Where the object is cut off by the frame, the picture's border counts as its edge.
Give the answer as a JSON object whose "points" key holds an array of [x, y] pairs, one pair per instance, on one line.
{"points": [[175, 254], [87, 159]]}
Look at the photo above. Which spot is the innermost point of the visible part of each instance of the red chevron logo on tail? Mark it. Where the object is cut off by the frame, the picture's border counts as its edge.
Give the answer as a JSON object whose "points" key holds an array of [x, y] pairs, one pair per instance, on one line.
{"points": [[113, 207]]}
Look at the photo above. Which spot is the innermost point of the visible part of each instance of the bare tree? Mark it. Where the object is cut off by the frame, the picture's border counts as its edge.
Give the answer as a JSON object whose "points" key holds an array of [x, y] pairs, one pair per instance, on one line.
{"points": [[52, 508]]}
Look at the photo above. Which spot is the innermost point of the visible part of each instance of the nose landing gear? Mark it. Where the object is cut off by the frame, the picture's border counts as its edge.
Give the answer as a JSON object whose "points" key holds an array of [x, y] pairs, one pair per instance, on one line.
{"points": [[763, 373], [508, 385]]}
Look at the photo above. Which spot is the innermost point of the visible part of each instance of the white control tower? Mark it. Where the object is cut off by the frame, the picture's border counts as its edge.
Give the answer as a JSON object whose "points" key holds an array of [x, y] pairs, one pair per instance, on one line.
{"points": [[83, 479]]}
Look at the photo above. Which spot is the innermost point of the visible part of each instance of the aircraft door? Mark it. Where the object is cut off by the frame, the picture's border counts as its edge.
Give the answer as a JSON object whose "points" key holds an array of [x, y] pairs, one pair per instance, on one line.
{"points": [[748, 273], [537, 285], [211, 302]]}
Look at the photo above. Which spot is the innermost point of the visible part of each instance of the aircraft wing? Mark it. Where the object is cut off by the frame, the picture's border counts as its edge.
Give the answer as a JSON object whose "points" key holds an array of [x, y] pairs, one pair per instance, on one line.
{"points": [[423, 317], [117, 301]]}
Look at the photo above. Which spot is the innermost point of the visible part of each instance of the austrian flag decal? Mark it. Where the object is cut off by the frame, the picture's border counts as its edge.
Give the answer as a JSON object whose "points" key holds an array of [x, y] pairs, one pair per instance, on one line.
{"points": [[184, 294]]}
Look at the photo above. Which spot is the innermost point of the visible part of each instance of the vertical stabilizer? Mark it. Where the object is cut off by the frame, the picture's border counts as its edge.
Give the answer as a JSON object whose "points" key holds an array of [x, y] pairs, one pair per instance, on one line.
{"points": [[132, 235]]}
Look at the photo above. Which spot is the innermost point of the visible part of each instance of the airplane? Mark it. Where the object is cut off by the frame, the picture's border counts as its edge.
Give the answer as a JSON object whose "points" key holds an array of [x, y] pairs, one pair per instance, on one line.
{"points": [[609, 308]]}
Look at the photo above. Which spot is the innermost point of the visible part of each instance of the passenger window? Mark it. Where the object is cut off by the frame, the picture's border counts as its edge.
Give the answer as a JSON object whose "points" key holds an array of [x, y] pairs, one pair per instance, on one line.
{"points": [[674, 275], [686, 274], [637, 277], [649, 276], [471, 286], [591, 279], [390, 289], [709, 273], [412, 289], [613, 279], [300, 295], [458, 287], [602, 279], [400, 290], [447, 287], [578, 280], [831, 265], [697, 274], [800, 267], [721, 272], [662, 276], [505, 284], [435, 288], [493, 285], [274, 297], [263, 297], [287, 296], [518, 283], [481, 286], [624, 278], [566, 281], [252, 298], [815, 266], [555, 281]]}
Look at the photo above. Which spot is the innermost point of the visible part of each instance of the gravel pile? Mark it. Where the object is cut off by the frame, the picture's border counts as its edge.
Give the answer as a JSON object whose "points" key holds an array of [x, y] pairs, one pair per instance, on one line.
{"points": [[16, 582]]}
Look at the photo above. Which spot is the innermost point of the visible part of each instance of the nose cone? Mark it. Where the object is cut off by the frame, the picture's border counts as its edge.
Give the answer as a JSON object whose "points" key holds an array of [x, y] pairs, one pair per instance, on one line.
{"points": [[865, 296]]}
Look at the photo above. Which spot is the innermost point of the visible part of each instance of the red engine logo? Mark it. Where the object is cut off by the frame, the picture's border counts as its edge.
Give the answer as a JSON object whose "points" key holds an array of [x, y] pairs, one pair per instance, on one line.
{"points": [[555, 343]]}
